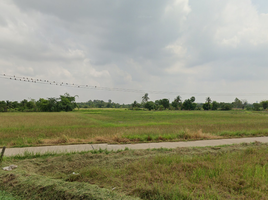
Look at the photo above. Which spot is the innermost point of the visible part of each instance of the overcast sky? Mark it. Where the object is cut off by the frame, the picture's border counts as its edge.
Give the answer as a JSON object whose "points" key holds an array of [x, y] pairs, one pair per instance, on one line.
{"points": [[195, 48]]}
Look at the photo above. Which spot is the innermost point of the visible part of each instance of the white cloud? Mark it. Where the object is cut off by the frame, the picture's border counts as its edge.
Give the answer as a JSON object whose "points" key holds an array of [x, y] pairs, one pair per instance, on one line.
{"points": [[90, 71], [241, 24], [178, 9]]}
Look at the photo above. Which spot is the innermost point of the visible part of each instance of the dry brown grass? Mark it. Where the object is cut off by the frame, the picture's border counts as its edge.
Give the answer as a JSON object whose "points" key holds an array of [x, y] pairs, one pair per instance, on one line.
{"points": [[200, 135], [117, 138]]}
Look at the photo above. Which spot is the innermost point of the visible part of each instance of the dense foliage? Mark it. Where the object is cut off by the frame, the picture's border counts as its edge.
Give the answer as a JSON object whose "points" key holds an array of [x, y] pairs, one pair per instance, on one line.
{"points": [[101, 104], [67, 103], [189, 104], [63, 103]]}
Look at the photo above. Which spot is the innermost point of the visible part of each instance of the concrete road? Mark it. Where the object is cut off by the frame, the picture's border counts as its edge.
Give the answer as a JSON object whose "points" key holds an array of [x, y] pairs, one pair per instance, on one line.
{"points": [[88, 147]]}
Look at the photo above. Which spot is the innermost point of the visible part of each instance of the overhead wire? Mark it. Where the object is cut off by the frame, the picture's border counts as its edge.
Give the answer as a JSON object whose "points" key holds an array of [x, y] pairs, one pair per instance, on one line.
{"points": [[95, 87]]}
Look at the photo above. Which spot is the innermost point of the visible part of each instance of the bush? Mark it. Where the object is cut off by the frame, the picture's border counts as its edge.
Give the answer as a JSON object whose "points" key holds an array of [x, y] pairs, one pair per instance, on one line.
{"points": [[161, 107], [149, 105], [206, 106], [256, 107], [264, 104], [198, 108], [215, 105], [165, 103], [226, 106], [189, 104]]}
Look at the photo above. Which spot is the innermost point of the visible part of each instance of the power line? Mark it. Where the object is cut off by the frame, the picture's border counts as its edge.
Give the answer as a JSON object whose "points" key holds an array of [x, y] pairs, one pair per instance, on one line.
{"points": [[92, 87]]}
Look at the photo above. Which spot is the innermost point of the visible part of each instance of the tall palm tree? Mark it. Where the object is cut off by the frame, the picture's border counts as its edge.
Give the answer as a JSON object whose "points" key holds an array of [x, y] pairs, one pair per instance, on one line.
{"points": [[178, 102], [9, 104], [145, 98], [208, 100], [178, 99]]}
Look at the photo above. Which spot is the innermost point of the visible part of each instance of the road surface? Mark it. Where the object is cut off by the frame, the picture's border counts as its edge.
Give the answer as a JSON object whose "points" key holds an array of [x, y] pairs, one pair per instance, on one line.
{"points": [[171, 145]]}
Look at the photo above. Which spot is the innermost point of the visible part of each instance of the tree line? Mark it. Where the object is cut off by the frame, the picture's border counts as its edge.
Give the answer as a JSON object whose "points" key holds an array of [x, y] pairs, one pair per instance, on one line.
{"points": [[189, 104], [102, 104], [63, 103], [67, 103]]}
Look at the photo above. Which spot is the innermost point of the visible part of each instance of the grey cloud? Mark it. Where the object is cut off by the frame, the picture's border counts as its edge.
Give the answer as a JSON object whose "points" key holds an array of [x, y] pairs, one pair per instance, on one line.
{"points": [[121, 25], [127, 44]]}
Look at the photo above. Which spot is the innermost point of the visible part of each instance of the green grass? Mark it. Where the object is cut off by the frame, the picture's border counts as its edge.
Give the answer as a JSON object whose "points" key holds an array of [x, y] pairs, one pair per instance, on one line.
{"points": [[126, 126], [225, 172], [6, 196], [30, 155]]}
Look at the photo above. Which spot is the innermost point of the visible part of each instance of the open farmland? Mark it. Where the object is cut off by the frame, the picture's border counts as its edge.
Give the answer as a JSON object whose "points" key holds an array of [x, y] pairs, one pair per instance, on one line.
{"points": [[226, 172], [126, 126]]}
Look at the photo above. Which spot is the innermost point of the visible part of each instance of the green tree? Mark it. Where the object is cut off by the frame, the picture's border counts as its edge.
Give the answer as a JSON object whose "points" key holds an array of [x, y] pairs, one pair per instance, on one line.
{"points": [[53, 105], [189, 104], [109, 104], [149, 105], [226, 106], [9, 104], [164, 103], [176, 103], [67, 102], [178, 99], [206, 106], [237, 103], [3, 106], [15, 105], [42, 104], [31, 105], [215, 105], [135, 105], [256, 107], [23, 104], [157, 104], [244, 103], [264, 104], [145, 98], [49, 105], [208, 101], [161, 107]]}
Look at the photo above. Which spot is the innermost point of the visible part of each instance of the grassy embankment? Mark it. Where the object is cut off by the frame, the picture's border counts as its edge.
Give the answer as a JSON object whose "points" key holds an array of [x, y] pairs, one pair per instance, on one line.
{"points": [[227, 172], [125, 126]]}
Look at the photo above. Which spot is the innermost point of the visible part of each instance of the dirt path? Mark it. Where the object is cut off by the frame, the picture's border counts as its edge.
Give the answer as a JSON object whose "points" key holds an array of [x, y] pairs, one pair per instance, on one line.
{"points": [[88, 147]]}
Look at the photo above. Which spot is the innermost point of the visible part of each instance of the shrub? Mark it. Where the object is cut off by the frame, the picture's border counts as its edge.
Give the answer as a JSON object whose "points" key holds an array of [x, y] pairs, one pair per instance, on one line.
{"points": [[149, 105], [226, 106], [256, 107], [264, 104]]}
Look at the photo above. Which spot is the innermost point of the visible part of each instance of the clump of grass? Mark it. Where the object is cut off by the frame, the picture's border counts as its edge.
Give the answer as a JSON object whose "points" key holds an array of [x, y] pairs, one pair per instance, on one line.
{"points": [[229, 175], [182, 135], [226, 172], [244, 133], [102, 139], [31, 186], [7, 196], [31, 155]]}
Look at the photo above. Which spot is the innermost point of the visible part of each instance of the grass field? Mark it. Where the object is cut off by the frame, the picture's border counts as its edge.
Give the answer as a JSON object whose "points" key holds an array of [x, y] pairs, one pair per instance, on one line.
{"points": [[125, 126], [6, 196], [226, 172]]}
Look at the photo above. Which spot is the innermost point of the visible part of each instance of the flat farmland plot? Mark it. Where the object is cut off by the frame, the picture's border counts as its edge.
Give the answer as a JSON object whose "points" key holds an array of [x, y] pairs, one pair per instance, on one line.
{"points": [[126, 126]]}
